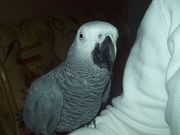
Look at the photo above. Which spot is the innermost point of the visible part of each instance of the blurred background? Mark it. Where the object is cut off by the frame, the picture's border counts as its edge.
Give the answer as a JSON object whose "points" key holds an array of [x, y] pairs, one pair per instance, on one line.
{"points": [[133, 10]]}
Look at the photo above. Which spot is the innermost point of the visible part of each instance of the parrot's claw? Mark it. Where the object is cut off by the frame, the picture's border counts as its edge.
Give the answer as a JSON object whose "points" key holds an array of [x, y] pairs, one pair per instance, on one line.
{"points": [[91, 124]]}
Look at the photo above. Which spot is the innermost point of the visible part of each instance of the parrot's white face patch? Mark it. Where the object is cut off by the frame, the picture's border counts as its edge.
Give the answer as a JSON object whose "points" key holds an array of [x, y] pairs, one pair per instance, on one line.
{"points": [[95, 32], [92, 35]]}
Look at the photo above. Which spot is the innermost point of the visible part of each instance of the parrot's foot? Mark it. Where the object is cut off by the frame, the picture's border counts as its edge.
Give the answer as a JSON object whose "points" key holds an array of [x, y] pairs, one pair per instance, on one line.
{"points": [[91, 124]]}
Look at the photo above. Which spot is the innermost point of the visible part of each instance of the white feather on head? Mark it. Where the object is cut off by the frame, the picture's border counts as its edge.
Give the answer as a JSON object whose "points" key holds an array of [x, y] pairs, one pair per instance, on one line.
{"points": [[94, 32]]}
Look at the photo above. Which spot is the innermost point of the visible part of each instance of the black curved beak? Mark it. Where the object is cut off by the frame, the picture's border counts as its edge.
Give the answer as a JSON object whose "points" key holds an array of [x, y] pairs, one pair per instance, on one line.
{"points": [[104, 54]]}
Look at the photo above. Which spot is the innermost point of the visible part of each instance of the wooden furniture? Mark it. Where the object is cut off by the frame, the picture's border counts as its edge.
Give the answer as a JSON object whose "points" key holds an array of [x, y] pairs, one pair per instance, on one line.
{"points": [[7, 105]]}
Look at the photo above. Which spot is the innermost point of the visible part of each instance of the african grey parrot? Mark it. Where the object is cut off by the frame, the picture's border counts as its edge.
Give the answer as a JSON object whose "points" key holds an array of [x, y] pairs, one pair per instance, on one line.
{"points": [[71, 95]]}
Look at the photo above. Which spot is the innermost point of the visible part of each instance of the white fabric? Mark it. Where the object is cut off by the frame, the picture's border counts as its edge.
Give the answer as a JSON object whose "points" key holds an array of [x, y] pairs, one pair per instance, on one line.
{"points": [[150, 104]]}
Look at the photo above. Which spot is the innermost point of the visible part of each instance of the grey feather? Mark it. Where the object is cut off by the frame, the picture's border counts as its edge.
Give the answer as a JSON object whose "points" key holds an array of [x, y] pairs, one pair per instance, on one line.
{"points": [[71, 95], [106, 94], [43, 106]]}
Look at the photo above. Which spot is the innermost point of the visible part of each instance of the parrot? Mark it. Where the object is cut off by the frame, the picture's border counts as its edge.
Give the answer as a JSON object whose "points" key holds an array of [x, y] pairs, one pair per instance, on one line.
{"points": [[71, 95]]}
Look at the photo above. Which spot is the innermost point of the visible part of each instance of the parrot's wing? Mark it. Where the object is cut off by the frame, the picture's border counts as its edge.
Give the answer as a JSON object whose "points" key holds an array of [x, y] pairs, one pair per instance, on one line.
{"points": [[106, 92], [105, 95], [43, 107]]}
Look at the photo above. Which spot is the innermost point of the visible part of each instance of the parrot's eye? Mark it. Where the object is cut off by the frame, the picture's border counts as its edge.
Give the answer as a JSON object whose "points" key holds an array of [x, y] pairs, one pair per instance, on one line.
{"points": [[81, 36]]}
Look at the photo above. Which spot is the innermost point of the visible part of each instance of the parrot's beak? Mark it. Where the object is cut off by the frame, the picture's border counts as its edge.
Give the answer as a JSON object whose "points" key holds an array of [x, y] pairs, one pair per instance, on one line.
{"points": [[104, 54]]}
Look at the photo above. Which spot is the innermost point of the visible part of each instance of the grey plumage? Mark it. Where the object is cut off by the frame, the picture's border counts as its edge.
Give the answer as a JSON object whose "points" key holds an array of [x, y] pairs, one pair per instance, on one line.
{"points": [[71, 95]]}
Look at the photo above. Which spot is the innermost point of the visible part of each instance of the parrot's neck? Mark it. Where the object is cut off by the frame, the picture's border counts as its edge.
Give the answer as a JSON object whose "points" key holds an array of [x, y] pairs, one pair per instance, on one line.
{"points": [[79, 68], [79, 65], [82, 71]]}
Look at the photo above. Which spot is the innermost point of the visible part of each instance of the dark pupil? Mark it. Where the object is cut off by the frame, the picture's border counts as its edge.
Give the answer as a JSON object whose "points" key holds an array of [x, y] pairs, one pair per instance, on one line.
{"points": [[81, 35]]}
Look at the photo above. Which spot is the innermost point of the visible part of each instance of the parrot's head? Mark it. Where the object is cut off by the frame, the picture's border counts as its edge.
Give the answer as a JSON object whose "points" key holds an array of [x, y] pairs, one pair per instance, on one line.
{"points": [[96, 41]]}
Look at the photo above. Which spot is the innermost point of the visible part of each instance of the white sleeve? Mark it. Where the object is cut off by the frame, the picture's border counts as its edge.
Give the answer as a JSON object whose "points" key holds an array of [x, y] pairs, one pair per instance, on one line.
{"points": [[173, 84], [171, 9]]}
